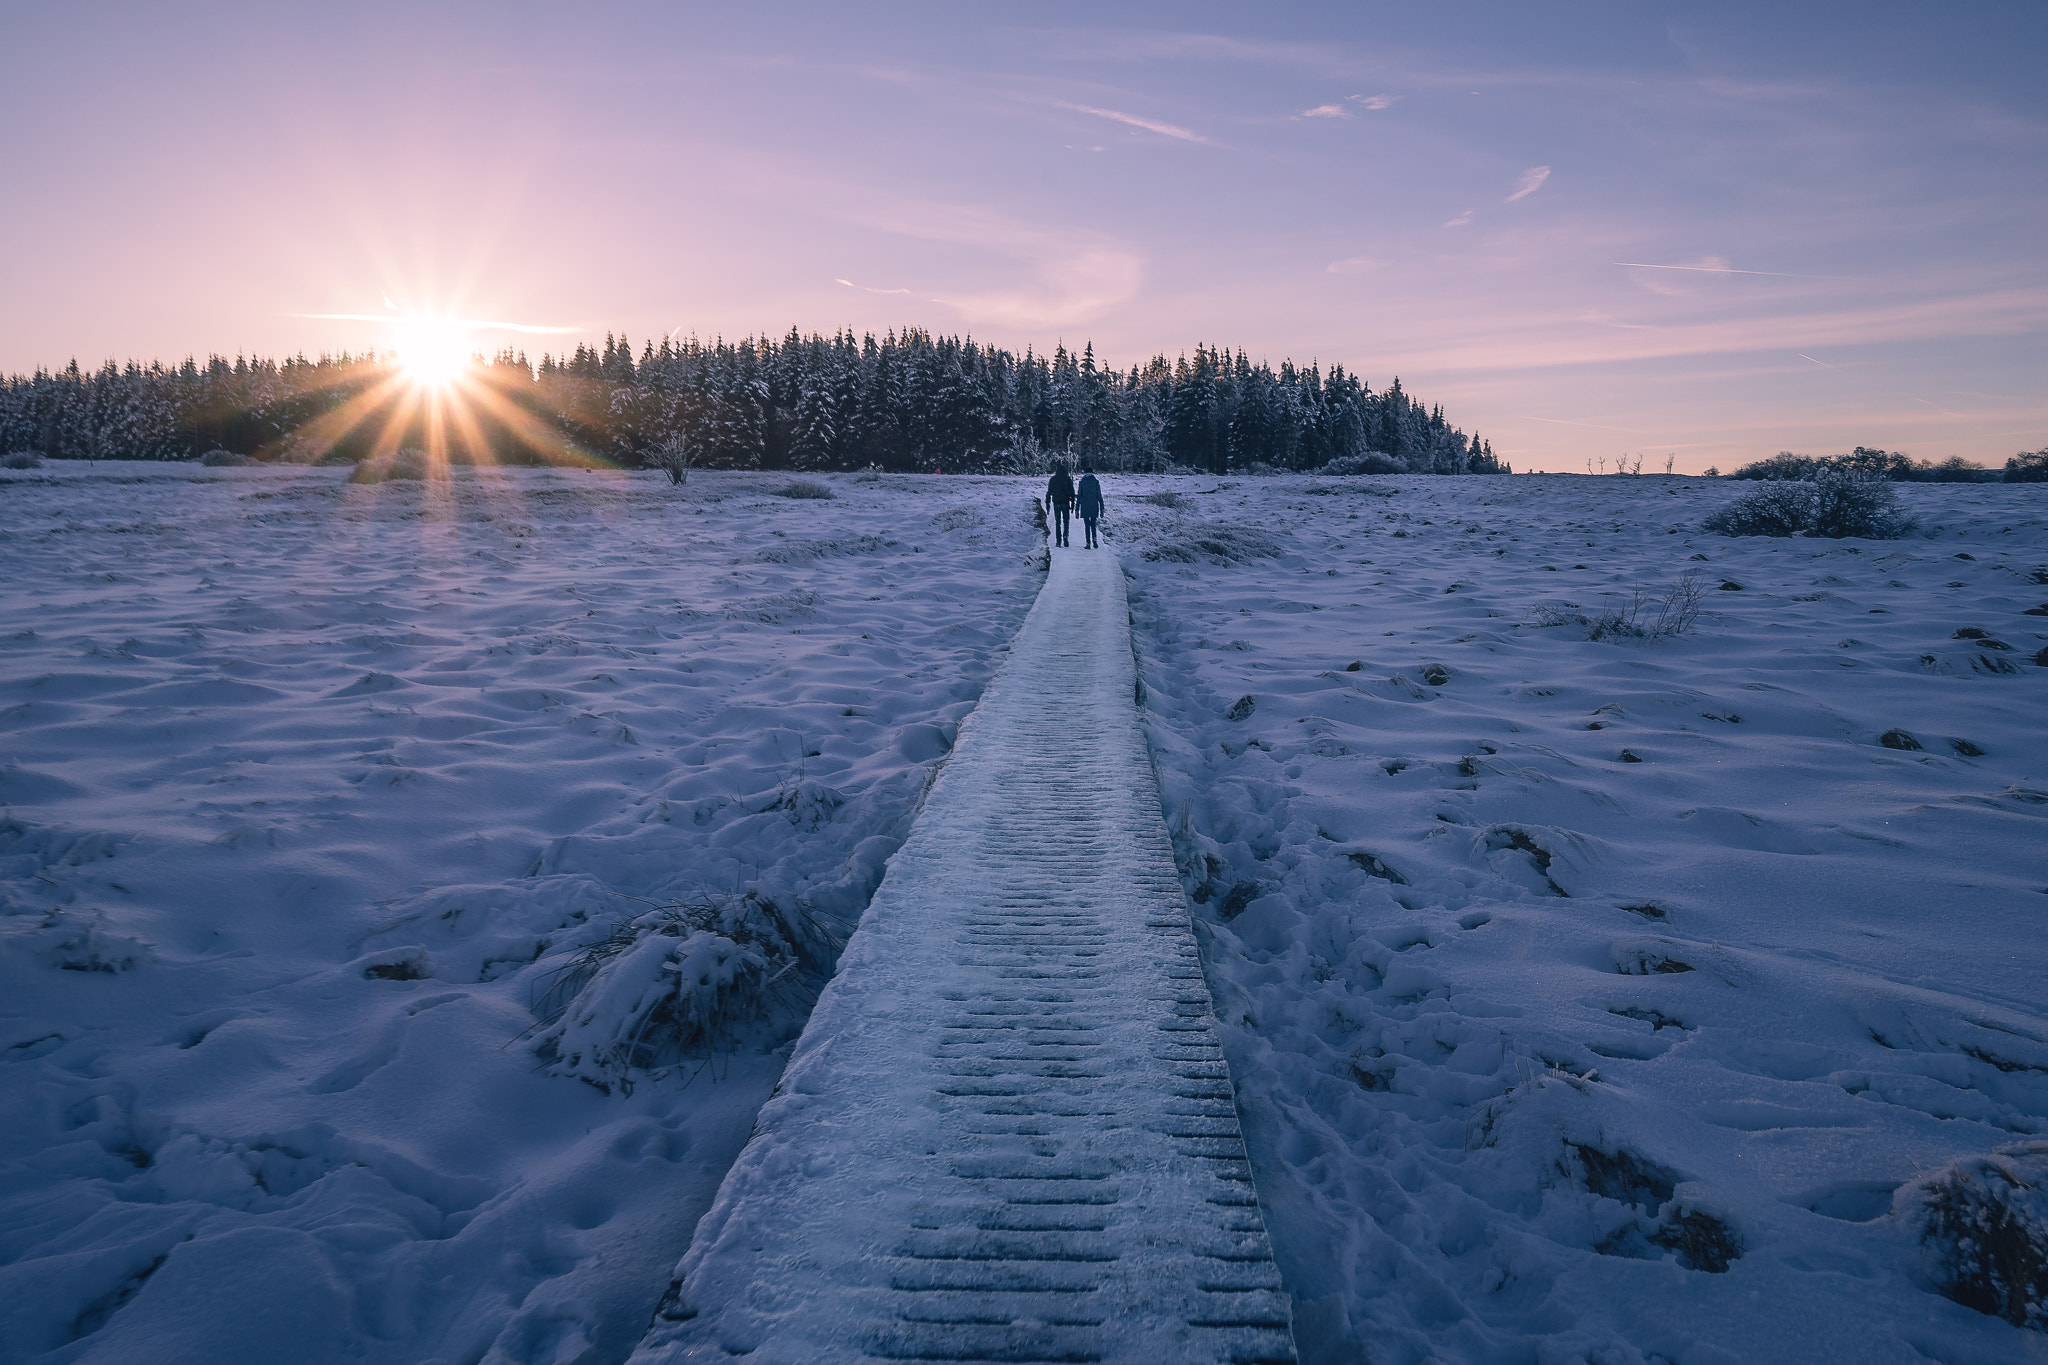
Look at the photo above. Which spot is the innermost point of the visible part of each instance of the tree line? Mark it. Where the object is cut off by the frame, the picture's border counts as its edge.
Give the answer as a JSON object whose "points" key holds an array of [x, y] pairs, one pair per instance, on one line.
{"points": [[1897, 467], [907, 401]]}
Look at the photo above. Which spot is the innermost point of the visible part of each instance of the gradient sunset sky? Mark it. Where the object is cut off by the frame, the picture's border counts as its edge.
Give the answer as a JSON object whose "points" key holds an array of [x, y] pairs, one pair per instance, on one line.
{"points": [[1713, 231]]}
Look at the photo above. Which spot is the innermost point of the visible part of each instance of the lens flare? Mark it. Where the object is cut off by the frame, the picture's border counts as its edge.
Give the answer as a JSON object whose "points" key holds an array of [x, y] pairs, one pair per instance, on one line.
{"points": [[433, 352]]}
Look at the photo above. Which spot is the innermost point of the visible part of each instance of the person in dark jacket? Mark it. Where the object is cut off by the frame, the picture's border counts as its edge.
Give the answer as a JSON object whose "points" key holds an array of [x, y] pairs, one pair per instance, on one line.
{"points": [[1059, 496], [1090, 499]]}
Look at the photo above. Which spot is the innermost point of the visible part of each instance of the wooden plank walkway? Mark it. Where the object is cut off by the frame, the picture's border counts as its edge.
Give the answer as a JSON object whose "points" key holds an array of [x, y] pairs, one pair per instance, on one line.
{"points": [[1008, 1132]]}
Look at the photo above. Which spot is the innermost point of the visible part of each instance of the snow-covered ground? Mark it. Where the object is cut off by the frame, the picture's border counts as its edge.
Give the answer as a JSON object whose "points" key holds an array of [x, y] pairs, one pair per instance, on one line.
{"points": [[1558, 974], [306, 790], [1587, 999]]}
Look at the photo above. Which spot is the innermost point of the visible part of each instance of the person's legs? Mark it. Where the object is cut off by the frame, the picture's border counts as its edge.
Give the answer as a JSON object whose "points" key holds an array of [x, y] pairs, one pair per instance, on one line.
{"points": [[1088, 525], [1060, 513]]}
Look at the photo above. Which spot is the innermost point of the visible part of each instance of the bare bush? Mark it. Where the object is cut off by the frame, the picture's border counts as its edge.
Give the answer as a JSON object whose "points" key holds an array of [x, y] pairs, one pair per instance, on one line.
{"points": [[1832, 499], [1776, 509], [805, 488], [223, 459], [1647, 615], [1851, 503], [682, 980], [1166, 499], [22, 459], [674, 457]]}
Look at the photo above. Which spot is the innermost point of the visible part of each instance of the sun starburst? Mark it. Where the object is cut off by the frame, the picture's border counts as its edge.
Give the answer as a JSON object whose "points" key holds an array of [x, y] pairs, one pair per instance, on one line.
{"points": [[435, 353]]}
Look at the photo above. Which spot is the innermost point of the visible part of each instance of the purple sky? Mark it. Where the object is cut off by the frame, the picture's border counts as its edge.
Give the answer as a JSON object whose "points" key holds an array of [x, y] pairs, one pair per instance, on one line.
{"points": [[1836, 210]]}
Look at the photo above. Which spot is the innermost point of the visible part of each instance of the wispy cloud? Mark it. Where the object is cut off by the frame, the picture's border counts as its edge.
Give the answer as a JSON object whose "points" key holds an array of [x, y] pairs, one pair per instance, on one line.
{"points": [[1461, 219], [1531, 181], [1540, 343], [1172, 130], [868, 289], [1715, 265], [1325, 111], [1353, 265], [1374, 101], [1040, 275]]}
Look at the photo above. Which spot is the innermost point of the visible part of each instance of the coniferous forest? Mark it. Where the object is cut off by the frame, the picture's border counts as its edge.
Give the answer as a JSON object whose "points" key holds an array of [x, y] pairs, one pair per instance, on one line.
{"points": [[910, 401]]}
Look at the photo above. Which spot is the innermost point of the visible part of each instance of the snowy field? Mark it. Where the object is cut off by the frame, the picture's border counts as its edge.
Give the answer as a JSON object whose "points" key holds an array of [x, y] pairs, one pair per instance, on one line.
{"points": [[1604, 999], [1610, 999], [307, 790]]}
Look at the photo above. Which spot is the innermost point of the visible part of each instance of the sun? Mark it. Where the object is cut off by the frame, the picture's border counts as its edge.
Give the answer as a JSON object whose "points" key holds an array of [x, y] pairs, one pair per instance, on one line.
{"points": [[433, 352]]}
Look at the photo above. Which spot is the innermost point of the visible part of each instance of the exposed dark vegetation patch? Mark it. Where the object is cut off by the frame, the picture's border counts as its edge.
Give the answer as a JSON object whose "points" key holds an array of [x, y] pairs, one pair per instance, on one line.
{"points": [[1378, 1078], [1514, 836], [99, 1310], [1646, 910], [1373, 865], [1436, 675], [1702, 1241], [1167, 498], [1656, 1019], [1898, 739], [805, 488], [1984, 1221], [1237, 898], [1631, 756], [1965, 748], [1242, 708], [1625, 1177], [403, 970]]}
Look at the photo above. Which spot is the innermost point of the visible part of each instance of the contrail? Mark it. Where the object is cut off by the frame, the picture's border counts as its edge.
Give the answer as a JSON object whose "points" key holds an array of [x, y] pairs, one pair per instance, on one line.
{"points": [[1526, 417], [1729, 270]]}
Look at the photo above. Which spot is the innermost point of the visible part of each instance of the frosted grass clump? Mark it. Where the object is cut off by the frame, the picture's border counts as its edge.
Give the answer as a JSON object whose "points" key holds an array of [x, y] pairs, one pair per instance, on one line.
{"points": [[681, 982], [1215, 542]]}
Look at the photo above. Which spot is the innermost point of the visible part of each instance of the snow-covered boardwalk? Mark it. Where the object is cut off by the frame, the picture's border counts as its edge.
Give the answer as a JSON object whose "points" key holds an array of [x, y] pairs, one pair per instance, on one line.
{"points": [[1008, 1133]]}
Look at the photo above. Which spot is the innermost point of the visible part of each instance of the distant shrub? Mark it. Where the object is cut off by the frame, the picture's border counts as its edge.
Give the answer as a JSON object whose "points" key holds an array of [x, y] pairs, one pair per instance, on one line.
{"points": [[1783, 465], [1780, 509], [805, 488], [410, 463], [1830, 501], [2028, 467], [1167, 499], [1849, 502], [1955, 469], [1883, 464], [1984, 1223], [223, 459], [21, 459], [1370, 462]]}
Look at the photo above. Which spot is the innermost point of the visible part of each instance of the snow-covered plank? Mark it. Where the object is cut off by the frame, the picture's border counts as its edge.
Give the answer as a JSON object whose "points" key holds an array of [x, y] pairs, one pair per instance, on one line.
{"points": [[1008, 1132]]}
